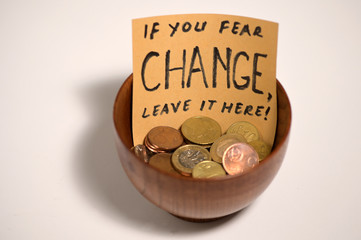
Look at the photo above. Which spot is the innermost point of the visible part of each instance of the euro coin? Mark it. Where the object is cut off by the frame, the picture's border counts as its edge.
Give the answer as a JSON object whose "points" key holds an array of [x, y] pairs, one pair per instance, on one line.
{"points": [[248, 130], [262, 148], [239, 158], [201, 130], [222, 143], [162, 161], [187, 156], [164, 138], [208, 169]]}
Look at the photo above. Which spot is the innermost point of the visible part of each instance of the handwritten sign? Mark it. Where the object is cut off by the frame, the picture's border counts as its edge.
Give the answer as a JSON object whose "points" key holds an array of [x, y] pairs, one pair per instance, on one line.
{"points": [[219, 66]]}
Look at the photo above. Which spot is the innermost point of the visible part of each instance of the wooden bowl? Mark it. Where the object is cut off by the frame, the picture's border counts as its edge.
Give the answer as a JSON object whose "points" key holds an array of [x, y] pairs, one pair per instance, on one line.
{"points": [[198, 199]]}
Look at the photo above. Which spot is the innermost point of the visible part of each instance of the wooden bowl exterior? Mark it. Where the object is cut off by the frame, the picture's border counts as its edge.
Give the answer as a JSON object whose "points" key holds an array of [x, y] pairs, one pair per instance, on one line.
{"points": [[198, 199]]}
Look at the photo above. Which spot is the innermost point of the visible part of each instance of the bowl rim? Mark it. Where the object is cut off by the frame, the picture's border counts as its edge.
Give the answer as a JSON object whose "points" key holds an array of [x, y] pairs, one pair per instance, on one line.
{"points": [[217, 179]]}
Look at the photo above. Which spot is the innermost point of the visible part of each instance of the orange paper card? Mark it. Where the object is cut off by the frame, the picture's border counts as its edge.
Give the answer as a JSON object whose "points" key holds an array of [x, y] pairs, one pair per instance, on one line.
{"points": [[219, 66]]}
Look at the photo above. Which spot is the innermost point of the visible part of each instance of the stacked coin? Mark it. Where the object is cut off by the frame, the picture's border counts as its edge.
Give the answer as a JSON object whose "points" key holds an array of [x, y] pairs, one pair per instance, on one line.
{"points": [[236, 152], [163, 139]]}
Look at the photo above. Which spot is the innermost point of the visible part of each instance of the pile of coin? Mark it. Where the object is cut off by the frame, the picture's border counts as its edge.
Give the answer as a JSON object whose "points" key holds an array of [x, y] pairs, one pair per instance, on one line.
{"points": [[200, 150], [163, 139]]}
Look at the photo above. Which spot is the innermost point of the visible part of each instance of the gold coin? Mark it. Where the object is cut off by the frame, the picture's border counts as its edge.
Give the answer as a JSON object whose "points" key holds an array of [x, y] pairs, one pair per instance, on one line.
{"points": [[162, 161], [208, 146], [208, 169], [187, 156], [248, 130], [201, 130], [222, 143], [262, 148]]}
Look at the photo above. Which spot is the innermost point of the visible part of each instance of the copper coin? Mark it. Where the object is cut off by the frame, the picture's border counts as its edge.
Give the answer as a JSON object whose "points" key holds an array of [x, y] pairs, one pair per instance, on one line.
{"points": [[164, 138], [239, 158], [162, 161], [222, 143], [152, 148]]}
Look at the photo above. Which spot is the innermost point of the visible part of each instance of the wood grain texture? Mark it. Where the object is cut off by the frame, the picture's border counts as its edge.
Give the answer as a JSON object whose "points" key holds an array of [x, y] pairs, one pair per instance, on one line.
{"points": [[198, 199]]}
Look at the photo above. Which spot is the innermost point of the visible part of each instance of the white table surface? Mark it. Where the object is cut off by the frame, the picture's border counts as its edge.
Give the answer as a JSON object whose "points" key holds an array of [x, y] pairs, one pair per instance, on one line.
{"points": [[61, 65]]}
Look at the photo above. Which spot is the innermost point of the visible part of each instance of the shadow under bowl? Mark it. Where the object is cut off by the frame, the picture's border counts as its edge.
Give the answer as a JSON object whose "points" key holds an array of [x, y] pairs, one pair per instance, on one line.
{"points": [[198, 199]]}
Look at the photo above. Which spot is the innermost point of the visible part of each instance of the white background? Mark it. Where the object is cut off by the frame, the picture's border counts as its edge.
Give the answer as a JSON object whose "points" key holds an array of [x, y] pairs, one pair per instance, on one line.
{"points": [[61, 65]]}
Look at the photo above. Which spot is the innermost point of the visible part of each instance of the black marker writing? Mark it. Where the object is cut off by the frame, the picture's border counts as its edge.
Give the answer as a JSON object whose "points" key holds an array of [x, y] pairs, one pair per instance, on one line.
{"points": [[174, 28], [256, 73], [153, 31], [146, 59], [227, 62], [193, 70], [217, 58], [161, 109], [237, 29], [187, 27], [236, 85]]}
